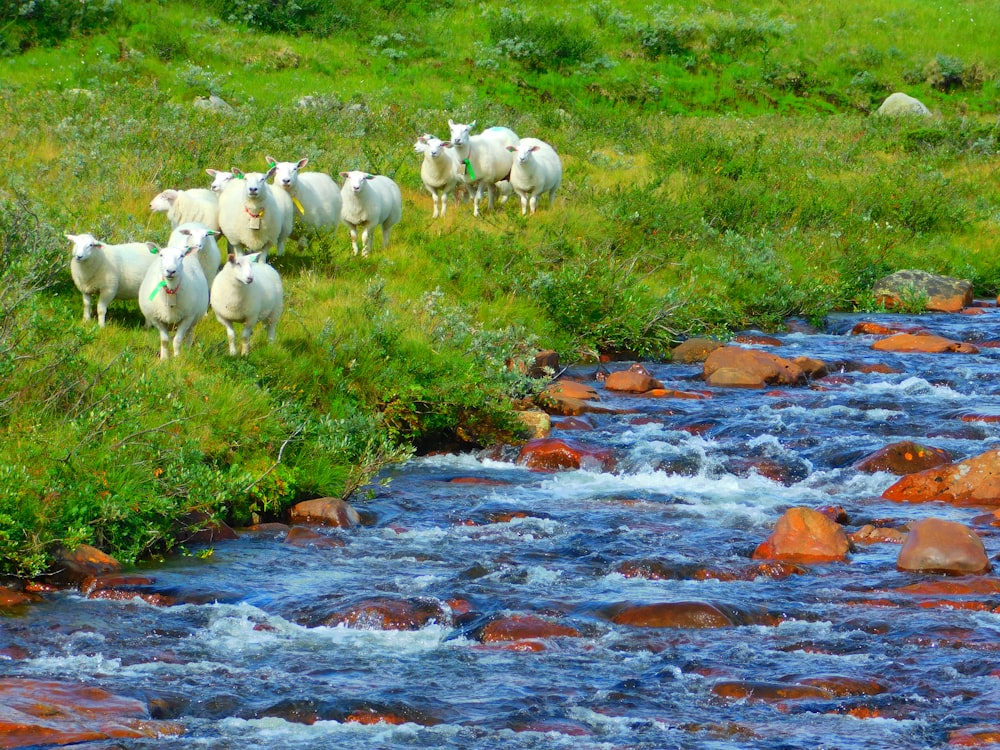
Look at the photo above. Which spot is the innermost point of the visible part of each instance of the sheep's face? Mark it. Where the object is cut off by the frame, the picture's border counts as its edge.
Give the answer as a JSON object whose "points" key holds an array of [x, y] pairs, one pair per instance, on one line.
{"points": [[255, 184], [435, 147], [286, 173], [163, 201], [243, 267], [460, 132], [196, 236], [172, 261], [83, 246], [523, 154], [357, 180], [219, 179]]}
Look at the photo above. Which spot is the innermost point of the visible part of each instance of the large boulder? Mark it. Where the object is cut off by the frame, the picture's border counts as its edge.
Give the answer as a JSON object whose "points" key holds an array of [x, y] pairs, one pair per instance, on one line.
{"points": [[938, 546], [923, 342], [974, 481], [904, 457], [734, 366], [325, 511], [900, 104], [943, 293], [804, 535]]}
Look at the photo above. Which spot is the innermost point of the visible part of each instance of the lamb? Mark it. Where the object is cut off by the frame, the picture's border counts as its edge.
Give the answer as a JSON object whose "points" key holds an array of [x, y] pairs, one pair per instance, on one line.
{"points": [[174, 294], [369, 200], [196, 234], [484, 156], [219, 179], [316, 195], [536, 170], [109, 271], [252, 216], [247, 291], [440, 171], [196, 204]]}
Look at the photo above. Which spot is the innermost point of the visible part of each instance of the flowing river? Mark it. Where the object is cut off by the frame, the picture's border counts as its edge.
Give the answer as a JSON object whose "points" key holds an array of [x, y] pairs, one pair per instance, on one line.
{"points": [[254, 645]]}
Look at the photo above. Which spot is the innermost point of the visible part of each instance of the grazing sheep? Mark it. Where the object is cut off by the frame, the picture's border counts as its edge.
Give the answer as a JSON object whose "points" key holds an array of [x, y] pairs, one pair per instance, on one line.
{"points": [[252, 216], [174, 295], [181, 206], [536, 170], [440, 171], [247, 291], [109, 271], [196, 234], [369, 200], [316, 195], [219, 179], [484, 157]]}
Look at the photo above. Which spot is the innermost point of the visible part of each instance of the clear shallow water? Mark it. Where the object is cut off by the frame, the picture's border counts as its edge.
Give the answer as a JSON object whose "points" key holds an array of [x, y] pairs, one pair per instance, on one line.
{"points": [[253, 661]]}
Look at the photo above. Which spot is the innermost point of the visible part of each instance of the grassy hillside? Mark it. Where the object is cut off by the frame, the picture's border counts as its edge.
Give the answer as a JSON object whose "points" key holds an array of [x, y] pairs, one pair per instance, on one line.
{"points": [[722, 170]]}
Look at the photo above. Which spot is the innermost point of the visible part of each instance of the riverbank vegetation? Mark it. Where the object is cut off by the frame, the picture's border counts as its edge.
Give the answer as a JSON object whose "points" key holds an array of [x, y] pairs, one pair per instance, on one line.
{"points": [[722, 170]]}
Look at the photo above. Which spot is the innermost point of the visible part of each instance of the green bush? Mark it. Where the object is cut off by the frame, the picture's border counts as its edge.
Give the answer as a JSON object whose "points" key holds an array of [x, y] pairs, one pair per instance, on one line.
{"points": [[539, 42], [47, 22]]}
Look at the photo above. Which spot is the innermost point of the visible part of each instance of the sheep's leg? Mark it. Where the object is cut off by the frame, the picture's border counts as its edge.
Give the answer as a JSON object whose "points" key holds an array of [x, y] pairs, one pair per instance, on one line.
{"points": [[182, 332], [102, 306], [86, 306], [444, 203], [475, 199], [354, 237], [272, 329], [230, 333], [524, 203], [367, 237], [245, 335], [164, 339], [491, 192], [533, 202], [434, 202]]}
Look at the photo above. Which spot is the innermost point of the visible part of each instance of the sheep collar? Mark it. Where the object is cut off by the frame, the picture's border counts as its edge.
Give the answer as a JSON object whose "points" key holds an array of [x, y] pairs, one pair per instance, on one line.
{"points": [[254, 215], [163, 285]]}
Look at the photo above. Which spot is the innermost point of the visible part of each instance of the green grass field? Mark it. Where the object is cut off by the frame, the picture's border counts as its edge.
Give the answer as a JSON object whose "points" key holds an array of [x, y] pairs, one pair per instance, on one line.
{"points": [[722, 170]]}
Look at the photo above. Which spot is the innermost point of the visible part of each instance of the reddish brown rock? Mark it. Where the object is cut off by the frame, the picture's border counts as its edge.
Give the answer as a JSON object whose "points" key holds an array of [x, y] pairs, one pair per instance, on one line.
{"points": [[870, 534], [842, 686], [757, 339], [383, 613], [630, 381], [546, 364], [974, 586], [673, 615], [773, 569], [568, 398], [735, 366], [325, 511], [974, 481], [300, 536], [573, 423], [694, 350], [84, 562], [524, 628], [869, 328], [12, 598], [982, 736], [804, 535], [904, 457], [671, 393], [555, 454], [812, 367], [48, 713], [768, 692], [922, 342], [935, 545]]}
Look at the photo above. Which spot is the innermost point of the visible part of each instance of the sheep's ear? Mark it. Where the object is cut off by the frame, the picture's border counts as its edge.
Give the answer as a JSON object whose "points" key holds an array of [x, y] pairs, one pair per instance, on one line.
{"points": [[512, 149], [71, 237], [231, 258], [212, 172], [451, 123], [302, 163], [534, 148], [446, 144], [253, 257], [185, 231], [153, 249], [271, 171], [271, 161], [472, 125], [190, 249], [212, 233], [369, 177], [345, 174]]}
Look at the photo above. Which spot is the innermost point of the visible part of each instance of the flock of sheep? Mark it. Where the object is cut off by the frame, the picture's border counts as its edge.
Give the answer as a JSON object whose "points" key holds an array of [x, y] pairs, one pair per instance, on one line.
{"points": [[175, 285]]}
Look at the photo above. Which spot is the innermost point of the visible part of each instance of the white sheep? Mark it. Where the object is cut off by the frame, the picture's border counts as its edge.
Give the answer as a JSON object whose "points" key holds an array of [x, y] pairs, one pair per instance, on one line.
{"points": [[368, 201], [219, 179], [109, 271], [181, 206], [196, 234], [440, 171], [174, 295], [536, 170], [315, 195], [484, 158], [247, 291], [252, 216]]}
